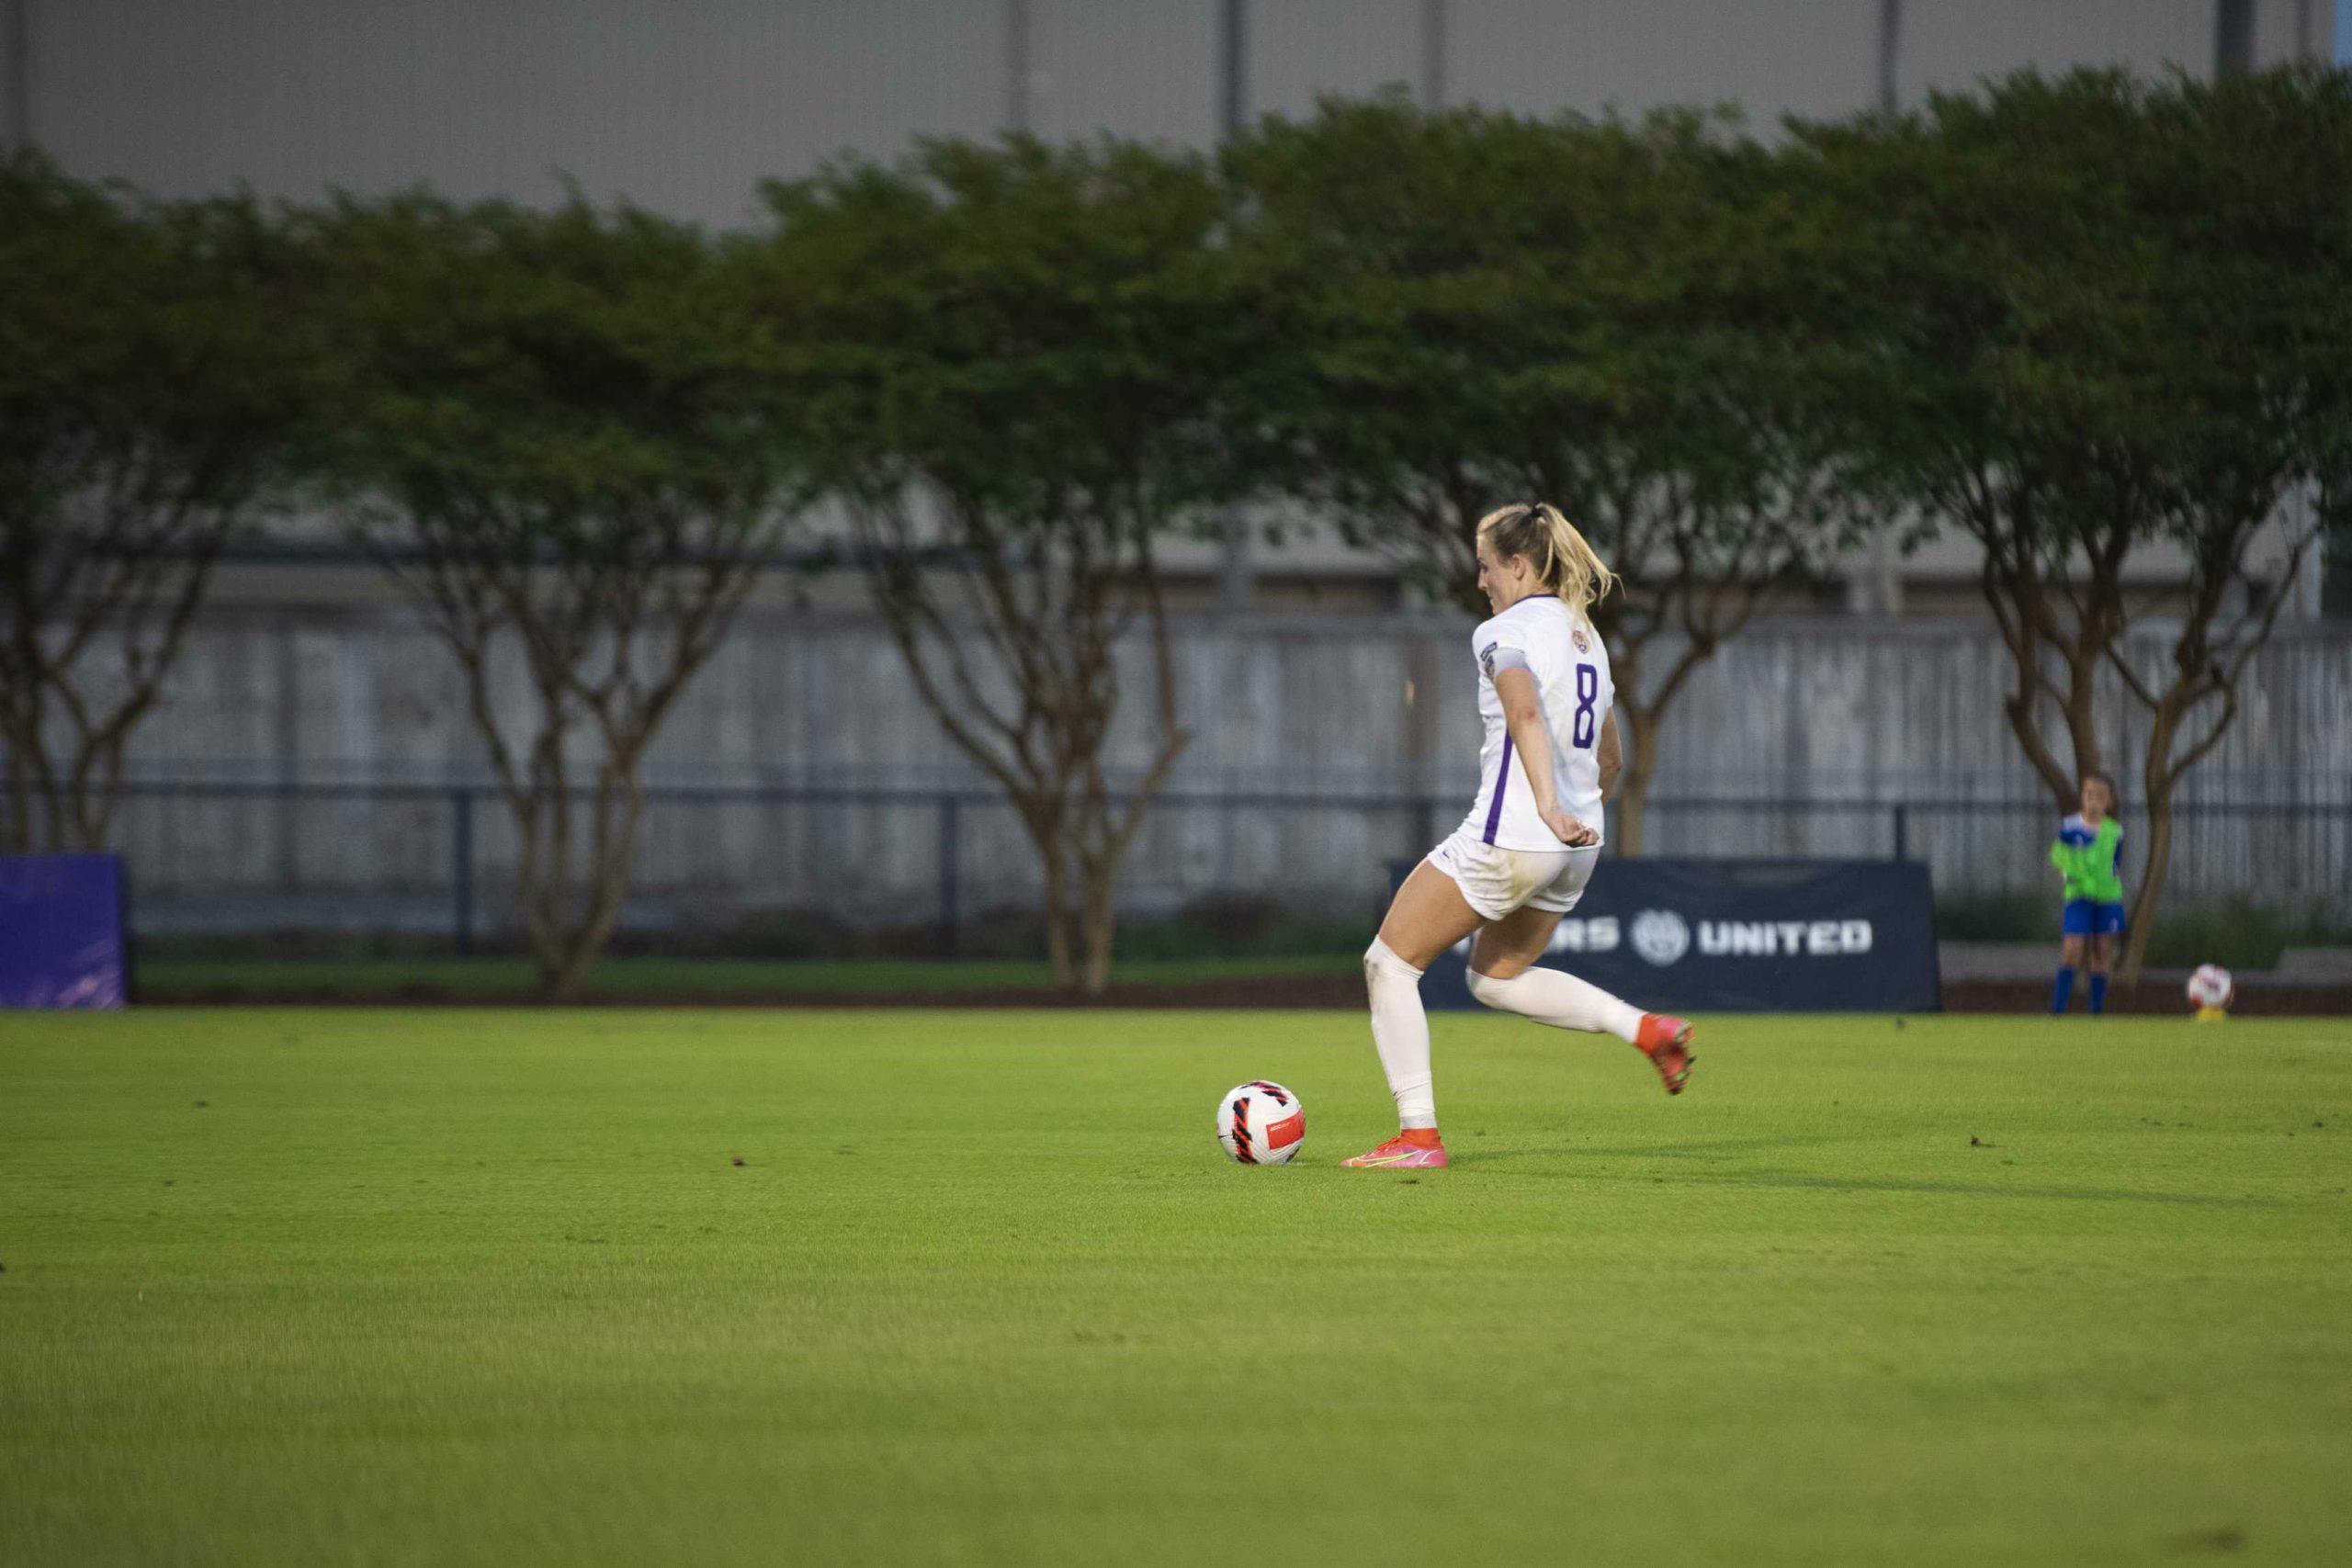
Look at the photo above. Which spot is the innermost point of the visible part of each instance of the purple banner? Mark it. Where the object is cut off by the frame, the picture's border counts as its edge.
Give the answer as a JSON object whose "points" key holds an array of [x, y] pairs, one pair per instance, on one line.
{"points": [[61, 931]]}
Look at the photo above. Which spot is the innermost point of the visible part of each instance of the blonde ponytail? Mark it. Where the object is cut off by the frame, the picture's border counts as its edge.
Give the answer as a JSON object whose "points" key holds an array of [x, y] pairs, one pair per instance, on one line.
{"points": [[1566, 564]]}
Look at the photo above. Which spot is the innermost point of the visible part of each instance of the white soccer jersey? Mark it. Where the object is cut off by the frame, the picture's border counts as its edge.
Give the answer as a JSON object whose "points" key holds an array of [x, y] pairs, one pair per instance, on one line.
{"points": [[1571, 669]]}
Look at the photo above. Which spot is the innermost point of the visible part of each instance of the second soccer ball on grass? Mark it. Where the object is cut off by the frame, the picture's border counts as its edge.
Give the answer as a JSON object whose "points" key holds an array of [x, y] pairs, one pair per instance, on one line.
{"points": [[2210, 990]]}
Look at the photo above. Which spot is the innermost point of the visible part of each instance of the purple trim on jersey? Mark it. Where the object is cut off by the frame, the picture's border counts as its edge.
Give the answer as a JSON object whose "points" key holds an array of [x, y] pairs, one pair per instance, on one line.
{"points": [[1502, 779]]}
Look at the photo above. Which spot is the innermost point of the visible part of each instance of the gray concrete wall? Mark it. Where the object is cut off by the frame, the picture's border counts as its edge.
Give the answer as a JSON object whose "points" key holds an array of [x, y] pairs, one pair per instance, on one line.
{"points": [[1802, 711]]}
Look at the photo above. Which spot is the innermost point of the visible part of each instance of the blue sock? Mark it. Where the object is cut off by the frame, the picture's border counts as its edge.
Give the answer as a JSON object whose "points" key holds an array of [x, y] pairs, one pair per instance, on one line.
{"points": [[2064, 988], [2098, 993]]}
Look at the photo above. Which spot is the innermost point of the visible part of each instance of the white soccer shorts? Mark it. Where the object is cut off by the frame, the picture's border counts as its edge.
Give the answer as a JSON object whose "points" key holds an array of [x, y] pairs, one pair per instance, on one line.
{"points": [[1495, 881]]}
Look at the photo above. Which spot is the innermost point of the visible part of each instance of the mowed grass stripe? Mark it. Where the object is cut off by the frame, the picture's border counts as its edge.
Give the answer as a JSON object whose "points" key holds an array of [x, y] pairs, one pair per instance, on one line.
{"points": [[489, 1287]]}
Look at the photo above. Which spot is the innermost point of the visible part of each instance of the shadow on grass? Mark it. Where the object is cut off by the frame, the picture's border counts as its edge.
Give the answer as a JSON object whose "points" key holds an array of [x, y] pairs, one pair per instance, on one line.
{"points": [[1798, 1181], [1718, 1149]]}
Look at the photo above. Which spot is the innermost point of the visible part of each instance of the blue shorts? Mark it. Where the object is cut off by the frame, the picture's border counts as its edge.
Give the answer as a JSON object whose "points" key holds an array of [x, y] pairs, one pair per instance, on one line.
{"points": [[2085, 918]]}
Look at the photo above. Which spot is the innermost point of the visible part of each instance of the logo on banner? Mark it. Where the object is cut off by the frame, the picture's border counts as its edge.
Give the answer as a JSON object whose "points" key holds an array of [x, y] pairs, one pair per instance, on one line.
{"points": [[1784, 939], [1660, 936]]}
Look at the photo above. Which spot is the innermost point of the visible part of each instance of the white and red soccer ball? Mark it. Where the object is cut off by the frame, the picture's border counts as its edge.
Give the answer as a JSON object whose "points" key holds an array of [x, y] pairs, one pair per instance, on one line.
{"points": [[2210, 986], [1262, 1124]]}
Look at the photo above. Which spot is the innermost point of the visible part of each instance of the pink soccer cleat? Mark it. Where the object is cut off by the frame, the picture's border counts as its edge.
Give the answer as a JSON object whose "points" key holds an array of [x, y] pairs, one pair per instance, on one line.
{"points": [[1665, 1040], [1398, 1155]]}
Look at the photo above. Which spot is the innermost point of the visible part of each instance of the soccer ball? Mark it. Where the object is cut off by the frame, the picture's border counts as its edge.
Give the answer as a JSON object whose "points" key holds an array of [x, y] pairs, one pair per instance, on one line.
{"points": [[1262, 1124], [2210, 986]]}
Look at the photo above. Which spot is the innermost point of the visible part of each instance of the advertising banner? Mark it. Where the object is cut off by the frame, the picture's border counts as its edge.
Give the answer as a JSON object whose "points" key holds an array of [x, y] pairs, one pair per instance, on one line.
{"points": [[61, 931], [1743, 936]]}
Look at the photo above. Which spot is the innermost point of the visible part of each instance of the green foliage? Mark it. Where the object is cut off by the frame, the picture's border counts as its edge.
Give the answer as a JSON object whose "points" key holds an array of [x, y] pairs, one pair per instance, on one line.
{"points": [[2236, 934], [1245, 925], [1997, 917], [152, 367], [1470, 308], [1394, 266], [561, 375], [142, 343], [2102, 311], [1037, 332], [2240, 935]]}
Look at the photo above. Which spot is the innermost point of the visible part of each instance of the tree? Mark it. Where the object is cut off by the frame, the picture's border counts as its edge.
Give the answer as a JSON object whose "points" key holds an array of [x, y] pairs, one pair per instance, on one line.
{"points": [[1020, 349], [2245, 183], [151, 371], [1465, 309], [1719, 481], [2109, 317], [555, 444]]}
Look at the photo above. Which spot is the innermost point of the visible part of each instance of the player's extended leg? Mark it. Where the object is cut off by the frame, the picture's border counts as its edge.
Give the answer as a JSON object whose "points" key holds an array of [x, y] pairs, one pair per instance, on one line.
{"points": [[1428, 916], [1503, 975], [2070, 958]]}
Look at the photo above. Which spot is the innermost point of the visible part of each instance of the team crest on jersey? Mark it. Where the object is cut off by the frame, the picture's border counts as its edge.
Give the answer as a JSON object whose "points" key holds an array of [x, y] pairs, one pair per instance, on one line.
{"points": [[1486, 658], [1584, 644]]}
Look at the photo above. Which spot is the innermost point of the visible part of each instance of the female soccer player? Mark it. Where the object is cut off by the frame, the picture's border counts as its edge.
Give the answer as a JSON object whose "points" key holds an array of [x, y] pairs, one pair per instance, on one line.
{"points": [[2090, 855], [1520, 858]]}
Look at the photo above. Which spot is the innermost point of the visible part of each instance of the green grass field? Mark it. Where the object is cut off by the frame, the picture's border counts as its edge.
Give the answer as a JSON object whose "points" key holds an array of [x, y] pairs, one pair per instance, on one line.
{"points": [[489, 1287]]}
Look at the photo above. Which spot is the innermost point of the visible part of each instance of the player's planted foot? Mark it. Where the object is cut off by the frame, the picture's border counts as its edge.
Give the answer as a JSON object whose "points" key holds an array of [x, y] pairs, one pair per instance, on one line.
{"points": [[1416, 1149], [1665, 1040]]}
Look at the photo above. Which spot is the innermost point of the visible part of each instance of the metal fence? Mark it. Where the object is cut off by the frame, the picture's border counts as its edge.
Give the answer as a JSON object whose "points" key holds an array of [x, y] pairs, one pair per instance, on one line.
{"points": [[423, 858]]}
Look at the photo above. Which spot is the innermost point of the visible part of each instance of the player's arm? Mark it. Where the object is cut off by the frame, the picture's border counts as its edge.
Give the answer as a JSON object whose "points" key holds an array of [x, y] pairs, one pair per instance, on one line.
{"points": [[1608, 756], [1530, 736]]}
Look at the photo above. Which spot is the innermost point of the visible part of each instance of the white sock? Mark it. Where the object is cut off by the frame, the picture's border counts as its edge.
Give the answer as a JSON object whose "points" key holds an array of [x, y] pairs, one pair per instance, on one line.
{"points": [[1560, 999], [1400, 1032]]}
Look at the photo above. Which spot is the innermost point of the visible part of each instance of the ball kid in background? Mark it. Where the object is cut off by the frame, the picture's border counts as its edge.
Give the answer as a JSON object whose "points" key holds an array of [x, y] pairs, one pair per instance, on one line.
{"points": [[2088, 854]]}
